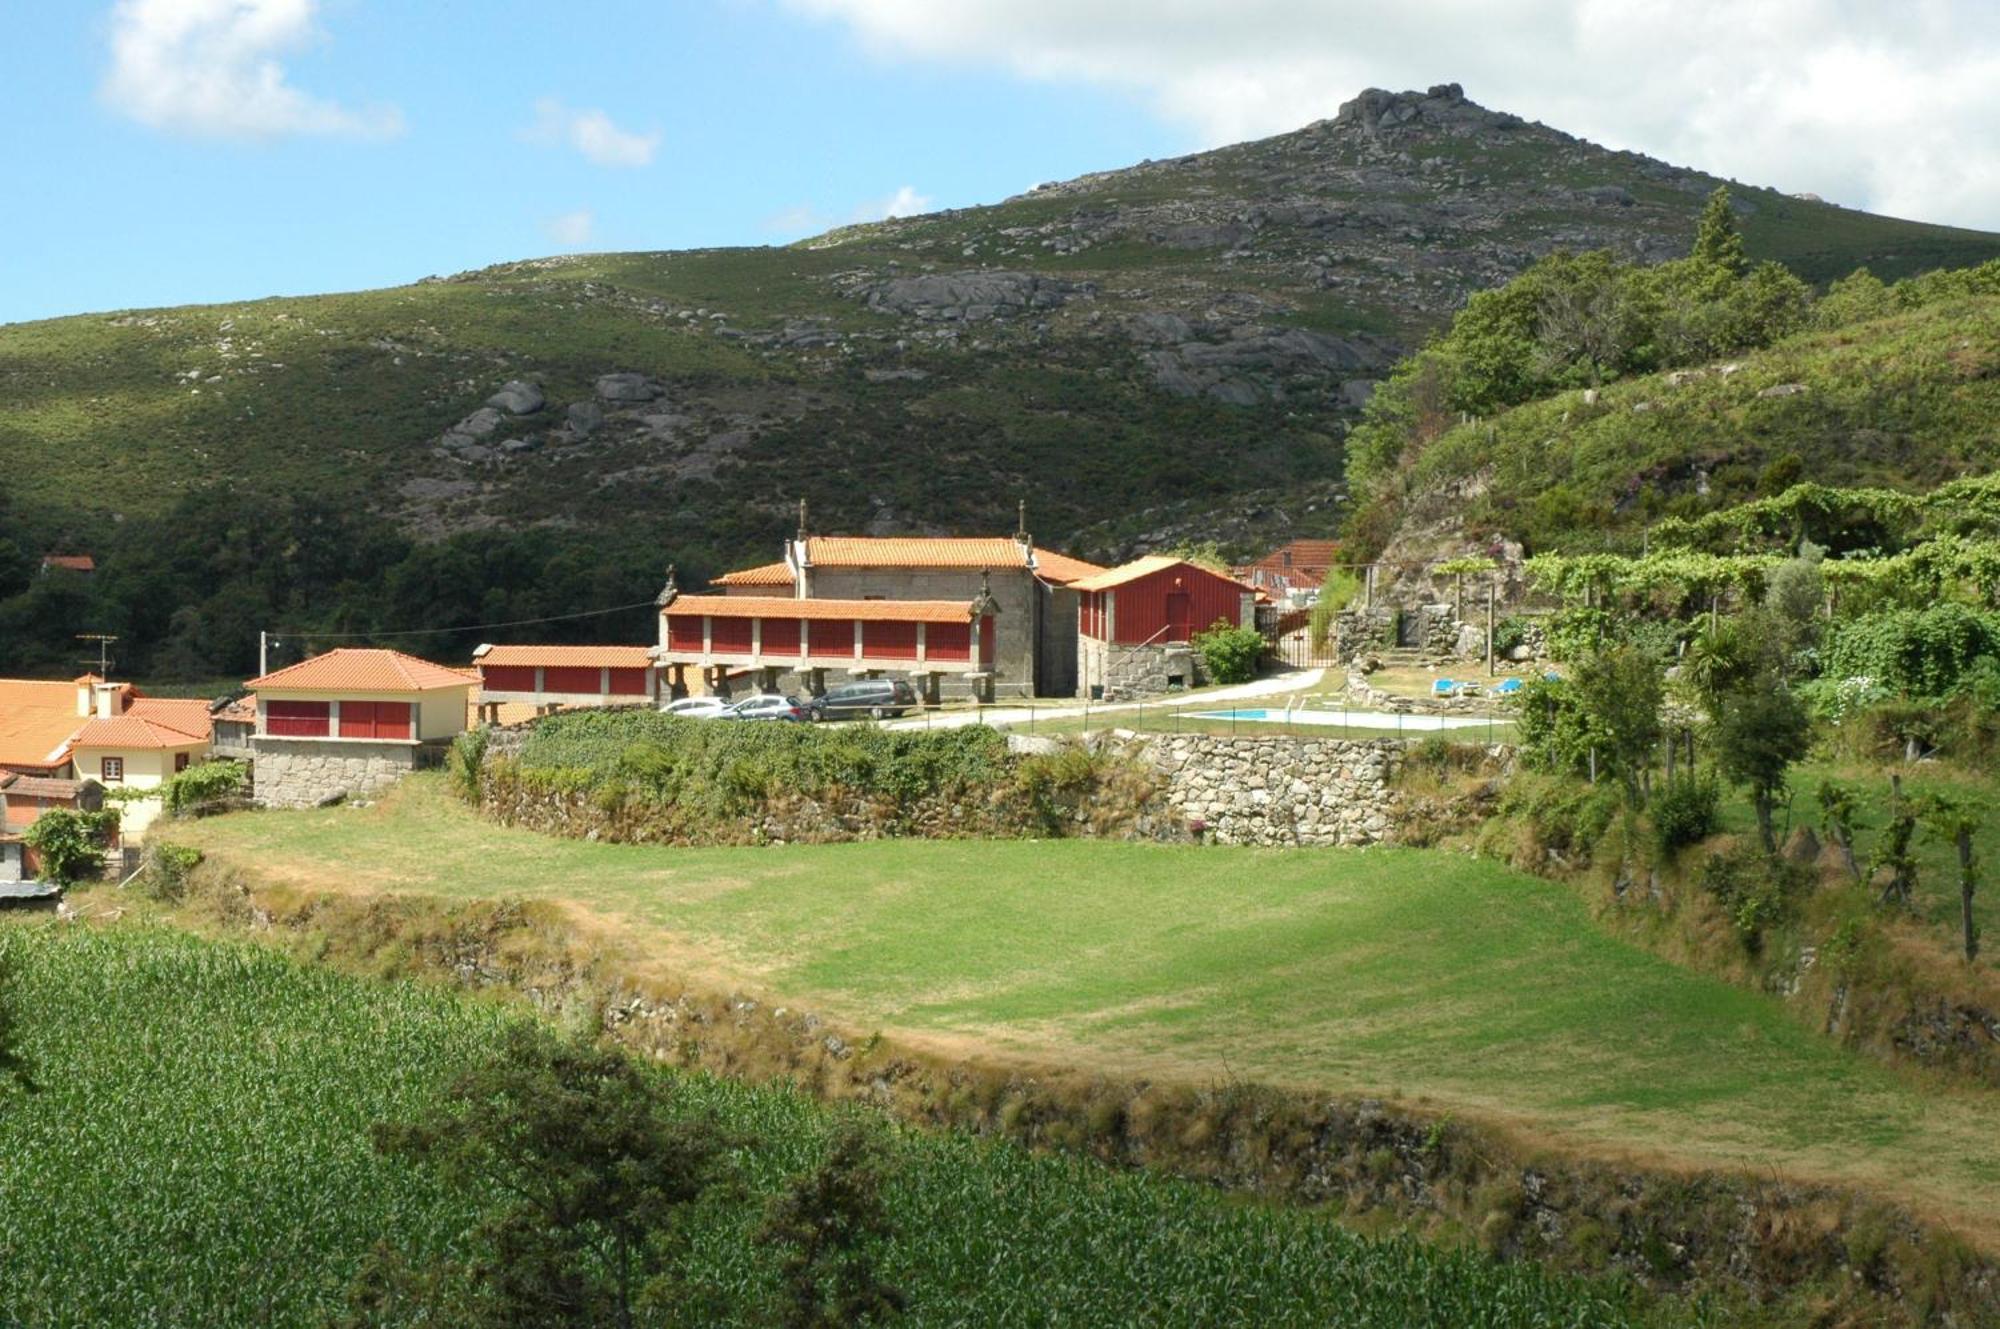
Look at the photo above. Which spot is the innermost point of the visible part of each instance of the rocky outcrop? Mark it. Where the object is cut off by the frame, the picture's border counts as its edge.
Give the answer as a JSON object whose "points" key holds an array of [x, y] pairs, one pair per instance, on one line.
{"points": [[517, 397], [627, 389], [970, 297], [1251, 366]]}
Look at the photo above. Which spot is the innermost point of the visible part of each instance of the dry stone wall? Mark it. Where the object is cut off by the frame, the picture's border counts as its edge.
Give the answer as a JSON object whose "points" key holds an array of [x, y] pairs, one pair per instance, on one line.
{"points": [[305, 773], [1280, 791]]}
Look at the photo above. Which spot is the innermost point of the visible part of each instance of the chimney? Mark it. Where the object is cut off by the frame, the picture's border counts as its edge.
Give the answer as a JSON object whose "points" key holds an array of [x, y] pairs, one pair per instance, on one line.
{"points": [[85, 702], [109, 696]]}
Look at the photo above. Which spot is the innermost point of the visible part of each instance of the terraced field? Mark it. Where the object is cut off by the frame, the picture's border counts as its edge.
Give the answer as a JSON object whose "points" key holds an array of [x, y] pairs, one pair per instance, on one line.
{"points": [[198, 1154], [1427, 976]]}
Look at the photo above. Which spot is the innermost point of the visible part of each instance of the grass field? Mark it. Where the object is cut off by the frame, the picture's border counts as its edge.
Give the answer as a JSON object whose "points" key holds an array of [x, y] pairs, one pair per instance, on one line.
{"points": [[1426, 975], [198, 1155]]}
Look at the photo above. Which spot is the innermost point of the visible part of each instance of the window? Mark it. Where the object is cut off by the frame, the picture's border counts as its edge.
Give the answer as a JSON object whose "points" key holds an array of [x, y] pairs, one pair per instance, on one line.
{"points": [[112, 769], [180, 762]]}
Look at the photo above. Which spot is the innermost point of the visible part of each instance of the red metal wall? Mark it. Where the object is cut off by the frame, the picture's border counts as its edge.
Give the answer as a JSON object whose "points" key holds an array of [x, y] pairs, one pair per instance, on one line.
{"points": [[684, 632], [628, 683], [374, 719], [781, 636], [507, 678], [572, 678], [298, 719], [730, 635], [1142, 604], [948, 641], [831, 636], [889, 641]]}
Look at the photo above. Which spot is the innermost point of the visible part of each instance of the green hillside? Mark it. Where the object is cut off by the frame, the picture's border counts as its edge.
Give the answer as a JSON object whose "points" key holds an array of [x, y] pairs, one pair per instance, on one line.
{"points": [[1905, 402], [1171, 350]]}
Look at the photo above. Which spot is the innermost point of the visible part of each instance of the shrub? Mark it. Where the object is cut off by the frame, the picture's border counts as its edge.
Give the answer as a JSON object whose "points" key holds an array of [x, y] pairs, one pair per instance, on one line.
{"points": [[71, 844], [468, 757], [167, 870], [1230, 654], [1336, 593], [1508, 633], [1928, 652], [201, 788], [1685, 810], [1756, 891]]}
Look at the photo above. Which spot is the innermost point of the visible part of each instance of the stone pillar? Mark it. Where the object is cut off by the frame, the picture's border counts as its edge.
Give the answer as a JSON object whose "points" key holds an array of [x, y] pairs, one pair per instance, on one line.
{"points": [[816, 681], [677, 681]]}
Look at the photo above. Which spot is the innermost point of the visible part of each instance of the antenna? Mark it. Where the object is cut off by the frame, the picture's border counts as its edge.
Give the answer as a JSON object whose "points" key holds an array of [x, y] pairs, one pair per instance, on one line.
{"points": [[103, 640]]}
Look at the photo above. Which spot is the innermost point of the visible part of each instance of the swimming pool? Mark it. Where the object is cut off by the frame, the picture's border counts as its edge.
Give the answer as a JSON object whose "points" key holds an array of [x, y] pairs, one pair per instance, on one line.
{"points": [[1419, 721]]}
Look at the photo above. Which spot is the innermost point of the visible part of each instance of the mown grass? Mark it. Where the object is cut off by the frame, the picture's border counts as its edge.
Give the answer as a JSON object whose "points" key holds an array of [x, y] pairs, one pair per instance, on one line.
{"points": [[1426, 975], [198, 1154]]}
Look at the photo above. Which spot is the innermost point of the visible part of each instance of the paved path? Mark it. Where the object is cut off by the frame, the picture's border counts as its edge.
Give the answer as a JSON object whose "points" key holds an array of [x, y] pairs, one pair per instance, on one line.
{"points": [[1002, 716]]}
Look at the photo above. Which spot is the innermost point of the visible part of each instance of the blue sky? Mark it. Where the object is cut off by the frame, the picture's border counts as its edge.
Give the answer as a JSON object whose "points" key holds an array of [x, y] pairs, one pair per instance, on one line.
{"points": [[170, 151], [730, 123]]}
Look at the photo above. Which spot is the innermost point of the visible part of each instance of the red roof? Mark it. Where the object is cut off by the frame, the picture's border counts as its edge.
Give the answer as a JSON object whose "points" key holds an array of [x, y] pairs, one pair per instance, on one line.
{"points": [[574, 657], [775, 606], [764, 574], [70, 562], [131, 731], [1143, 567], [187, 715], [359, 669], [969, 553], [38, 786]]}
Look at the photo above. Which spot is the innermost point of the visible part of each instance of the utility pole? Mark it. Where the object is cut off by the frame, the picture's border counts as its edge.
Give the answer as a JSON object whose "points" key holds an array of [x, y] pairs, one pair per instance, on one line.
{"points": [[263, 654], [1490, 594], [103, 641]]}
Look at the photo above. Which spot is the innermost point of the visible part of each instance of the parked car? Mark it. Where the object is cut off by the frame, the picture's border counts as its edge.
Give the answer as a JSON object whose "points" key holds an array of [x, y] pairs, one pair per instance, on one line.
{"points": [[772, 707], [697, 708], [872, 697]]}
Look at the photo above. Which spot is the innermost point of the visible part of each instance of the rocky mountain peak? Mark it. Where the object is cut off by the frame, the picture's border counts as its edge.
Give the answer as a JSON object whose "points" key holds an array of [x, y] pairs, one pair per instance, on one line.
{"points": [[1377, 109]]}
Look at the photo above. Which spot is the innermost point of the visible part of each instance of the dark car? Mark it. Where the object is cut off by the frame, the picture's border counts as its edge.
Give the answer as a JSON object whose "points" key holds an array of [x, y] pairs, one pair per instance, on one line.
{"points": [[871, 697]]}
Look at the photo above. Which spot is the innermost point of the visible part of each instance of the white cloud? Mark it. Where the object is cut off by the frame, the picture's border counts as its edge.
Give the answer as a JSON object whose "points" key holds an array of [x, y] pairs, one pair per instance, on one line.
{"points": [[572, 230], [905, 202], [591, 133], [1890, 107], [805, 219], [213, 69]]}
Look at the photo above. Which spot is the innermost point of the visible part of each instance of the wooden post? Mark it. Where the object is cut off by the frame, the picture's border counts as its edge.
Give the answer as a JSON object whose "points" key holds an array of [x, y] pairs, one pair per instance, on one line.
{"points": [[1490, 664]]}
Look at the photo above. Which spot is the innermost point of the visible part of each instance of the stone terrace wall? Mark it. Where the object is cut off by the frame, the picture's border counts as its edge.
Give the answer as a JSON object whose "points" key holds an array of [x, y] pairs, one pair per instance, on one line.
{"points": [[306, 772], [1280, 791]]}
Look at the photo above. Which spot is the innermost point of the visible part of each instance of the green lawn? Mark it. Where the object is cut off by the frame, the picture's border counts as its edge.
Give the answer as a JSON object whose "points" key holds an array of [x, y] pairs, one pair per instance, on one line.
{"points": [[1428, 975]]}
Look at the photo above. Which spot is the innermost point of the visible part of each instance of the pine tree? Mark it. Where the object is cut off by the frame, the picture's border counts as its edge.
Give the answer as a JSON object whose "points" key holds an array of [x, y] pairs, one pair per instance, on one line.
{"points": [[1716, 240]]}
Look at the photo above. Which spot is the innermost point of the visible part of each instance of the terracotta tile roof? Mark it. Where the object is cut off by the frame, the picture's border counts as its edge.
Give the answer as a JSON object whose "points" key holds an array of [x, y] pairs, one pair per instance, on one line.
{"points": [[764, 574], [363, 669], [1063, 569], [776, 606], [584, 657], [1145, 567], [131, 731], [38, 786], [238, 710], [36, 719], [971, 553], [188, 715], [70, 562]]}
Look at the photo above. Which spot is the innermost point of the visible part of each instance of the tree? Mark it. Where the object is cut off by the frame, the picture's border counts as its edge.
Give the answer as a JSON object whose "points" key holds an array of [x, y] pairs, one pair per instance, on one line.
{"points": [[1759, 729], [589, 1169], [1957, 820], [1230, 654], [1893, 853], [829, 1228], [1716, 239], [70, 844], [1621, 691], [1336, 593], [1836, 806]]}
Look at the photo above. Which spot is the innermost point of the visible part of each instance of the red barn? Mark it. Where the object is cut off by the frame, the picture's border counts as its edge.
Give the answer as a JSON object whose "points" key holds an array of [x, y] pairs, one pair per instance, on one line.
{"points": [[550, 678], [1135, 623]]}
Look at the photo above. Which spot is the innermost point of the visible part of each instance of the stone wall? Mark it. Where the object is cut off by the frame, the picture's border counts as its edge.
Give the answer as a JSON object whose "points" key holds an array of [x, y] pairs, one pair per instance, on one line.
{"points": [[1279, 791], [308, 772], [1128, 672]]}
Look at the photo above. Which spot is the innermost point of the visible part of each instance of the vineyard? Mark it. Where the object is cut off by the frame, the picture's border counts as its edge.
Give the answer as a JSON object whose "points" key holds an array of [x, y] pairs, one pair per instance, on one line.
{"points": [[198, 1153]]}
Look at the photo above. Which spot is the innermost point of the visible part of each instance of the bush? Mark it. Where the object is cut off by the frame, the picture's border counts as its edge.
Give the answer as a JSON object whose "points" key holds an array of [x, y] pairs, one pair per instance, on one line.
{"points": [[167, 870], [1230, 654], [1755, 890], [204, 787], [468, 758], [1508, 633], [71, 844], [1685, 810], [1336, 593], [1930, 652]]}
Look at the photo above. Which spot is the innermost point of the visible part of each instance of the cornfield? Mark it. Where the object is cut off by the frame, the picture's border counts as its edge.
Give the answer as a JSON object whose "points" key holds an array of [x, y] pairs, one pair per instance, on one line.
{"points": [[198, 1154]]}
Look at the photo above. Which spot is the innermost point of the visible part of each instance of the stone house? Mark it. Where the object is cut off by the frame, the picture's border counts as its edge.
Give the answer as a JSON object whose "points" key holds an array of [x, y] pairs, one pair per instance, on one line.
{"points": [[1136, 624], [353, 721], [1034, 603]]}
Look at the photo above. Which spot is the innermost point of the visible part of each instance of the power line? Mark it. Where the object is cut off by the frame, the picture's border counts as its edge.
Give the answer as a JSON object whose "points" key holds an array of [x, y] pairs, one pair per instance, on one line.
{"points": [[469, 627]]}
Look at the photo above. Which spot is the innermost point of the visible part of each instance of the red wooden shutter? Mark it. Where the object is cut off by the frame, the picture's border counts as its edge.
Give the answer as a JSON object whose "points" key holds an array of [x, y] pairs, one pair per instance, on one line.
{"points": [[298, 719]]}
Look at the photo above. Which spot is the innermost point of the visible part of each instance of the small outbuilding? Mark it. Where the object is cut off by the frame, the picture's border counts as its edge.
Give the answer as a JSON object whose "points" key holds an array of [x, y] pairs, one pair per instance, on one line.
{"points": [[1136, 624], [551, 678], [353, 721]]}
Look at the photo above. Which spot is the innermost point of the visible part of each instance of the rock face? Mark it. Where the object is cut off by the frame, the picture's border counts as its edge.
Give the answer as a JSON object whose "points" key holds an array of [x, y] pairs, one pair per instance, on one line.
{"points": [[969, 297], [306, 773], [1248, 367], [1280, 791], [583, 418], [517, 397]]}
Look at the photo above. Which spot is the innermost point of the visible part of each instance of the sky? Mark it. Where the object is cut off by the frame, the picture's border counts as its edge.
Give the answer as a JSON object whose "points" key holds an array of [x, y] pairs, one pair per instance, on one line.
{"points": [[177, 151]]}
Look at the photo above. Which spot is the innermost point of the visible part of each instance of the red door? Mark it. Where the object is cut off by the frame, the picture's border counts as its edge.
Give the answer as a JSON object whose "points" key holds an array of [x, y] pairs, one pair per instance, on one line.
{"points": [[1180, 616]]}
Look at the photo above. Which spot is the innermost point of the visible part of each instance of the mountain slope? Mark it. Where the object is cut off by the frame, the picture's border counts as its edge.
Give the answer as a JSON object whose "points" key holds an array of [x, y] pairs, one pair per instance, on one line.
{"points": [[1906, 402], [1128, 350]]}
